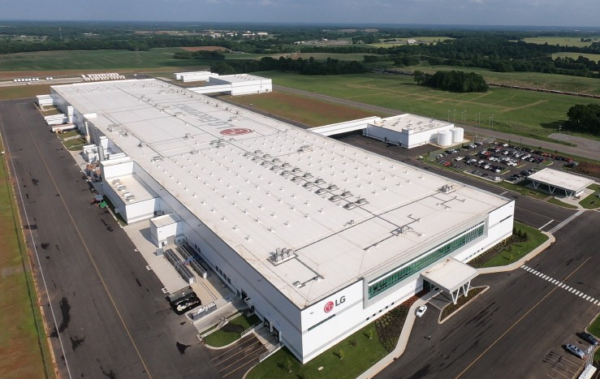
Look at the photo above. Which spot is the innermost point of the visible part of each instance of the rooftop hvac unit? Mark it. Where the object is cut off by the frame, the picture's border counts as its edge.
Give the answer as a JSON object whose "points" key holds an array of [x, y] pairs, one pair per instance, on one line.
{"points": [[350, 206]]}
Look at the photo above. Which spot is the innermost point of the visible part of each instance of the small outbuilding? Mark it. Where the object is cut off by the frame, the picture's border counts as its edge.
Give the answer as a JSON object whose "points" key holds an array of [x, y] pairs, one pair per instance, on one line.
{"points": [[559, 183]]}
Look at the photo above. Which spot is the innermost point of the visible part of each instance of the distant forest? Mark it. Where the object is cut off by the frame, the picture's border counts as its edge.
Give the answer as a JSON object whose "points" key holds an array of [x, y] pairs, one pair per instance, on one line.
{"points": [[301, 66], [502, 51]]}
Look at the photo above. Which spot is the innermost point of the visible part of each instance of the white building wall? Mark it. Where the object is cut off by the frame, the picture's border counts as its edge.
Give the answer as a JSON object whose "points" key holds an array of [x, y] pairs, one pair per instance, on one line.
{"points": [[111, 171], [270, 303], [499, 227], [141, 210], [352, 318], [408, 138], [161, 233]]}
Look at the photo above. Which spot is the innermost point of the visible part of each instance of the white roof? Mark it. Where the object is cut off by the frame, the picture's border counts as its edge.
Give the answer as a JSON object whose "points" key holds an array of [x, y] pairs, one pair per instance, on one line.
{"points": [[217, 161], [450, 274], [240, 78], [411, 123], [131, 189], [561, 179], [165, 220]]}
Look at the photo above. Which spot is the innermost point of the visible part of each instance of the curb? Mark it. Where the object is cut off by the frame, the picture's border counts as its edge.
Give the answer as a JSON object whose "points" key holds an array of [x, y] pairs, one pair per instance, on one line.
{"points": [[440, 321], [515, 265], [410, 319]]}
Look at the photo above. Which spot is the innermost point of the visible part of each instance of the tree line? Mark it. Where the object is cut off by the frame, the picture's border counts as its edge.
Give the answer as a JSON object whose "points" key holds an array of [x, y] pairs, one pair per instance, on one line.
{"points": [[302, 66]]}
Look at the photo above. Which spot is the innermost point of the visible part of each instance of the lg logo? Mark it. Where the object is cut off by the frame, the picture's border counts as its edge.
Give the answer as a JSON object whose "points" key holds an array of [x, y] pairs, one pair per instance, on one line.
{"points": [[330, 304]]}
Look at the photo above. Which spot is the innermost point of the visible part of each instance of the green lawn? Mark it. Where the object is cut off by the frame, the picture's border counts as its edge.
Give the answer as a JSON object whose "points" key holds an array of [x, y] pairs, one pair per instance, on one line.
{"points": [[75, 144], [555, 201], [24, 350], [520, 249], [526, 113], [594, 329], [592, 201], [357, 358], [221, 338]]}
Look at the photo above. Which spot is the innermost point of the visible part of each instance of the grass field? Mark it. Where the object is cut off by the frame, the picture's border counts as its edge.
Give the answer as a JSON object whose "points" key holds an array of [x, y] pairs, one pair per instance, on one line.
{"points": [[81, 61], [592, 57], [302, 109], [525, 79], [24, 351], [520, 112], [561, 41]]}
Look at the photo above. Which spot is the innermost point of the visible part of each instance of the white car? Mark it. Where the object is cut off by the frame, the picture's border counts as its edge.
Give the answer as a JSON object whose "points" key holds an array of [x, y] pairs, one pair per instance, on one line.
{"points": [[421, 310]]}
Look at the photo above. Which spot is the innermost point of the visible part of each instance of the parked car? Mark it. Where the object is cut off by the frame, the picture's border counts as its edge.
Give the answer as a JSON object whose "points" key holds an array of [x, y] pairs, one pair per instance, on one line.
{"points": [[575, 350], [421, 310], [183, 305], [589, 338]]}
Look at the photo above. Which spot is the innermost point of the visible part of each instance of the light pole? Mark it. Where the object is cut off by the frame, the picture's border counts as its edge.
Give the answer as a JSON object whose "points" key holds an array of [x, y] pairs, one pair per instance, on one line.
{"points": [[448, 115], [478, 120]]}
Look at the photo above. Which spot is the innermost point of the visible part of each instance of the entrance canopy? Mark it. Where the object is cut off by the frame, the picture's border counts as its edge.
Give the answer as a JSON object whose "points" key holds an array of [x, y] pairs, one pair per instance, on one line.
{"points": [[451, 276], [559, 182]]}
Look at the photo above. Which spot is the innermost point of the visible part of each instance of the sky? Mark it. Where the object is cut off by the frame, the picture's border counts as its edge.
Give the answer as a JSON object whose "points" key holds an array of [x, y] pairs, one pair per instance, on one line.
{"points": [[572, 13]]}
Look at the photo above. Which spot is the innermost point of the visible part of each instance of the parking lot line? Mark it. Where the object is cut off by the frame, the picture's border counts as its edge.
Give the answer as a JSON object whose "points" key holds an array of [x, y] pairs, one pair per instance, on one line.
{"points": [[509, 329]]}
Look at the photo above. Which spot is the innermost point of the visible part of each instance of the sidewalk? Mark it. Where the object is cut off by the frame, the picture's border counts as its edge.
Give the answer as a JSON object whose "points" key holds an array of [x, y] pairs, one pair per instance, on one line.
{"points": [[411, 317]]}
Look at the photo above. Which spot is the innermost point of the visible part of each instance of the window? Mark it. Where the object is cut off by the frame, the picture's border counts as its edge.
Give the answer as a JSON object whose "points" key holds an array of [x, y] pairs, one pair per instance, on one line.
{"points": [[397, 275]]}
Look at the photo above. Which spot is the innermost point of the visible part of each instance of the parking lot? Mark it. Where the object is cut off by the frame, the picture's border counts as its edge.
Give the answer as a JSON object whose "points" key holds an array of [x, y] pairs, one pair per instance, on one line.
{"points": [[500, 161]]}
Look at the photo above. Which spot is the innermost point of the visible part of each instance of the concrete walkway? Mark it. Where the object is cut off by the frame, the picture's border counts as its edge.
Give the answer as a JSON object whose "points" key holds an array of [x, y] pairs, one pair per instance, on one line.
{"points": [[410, 319]]}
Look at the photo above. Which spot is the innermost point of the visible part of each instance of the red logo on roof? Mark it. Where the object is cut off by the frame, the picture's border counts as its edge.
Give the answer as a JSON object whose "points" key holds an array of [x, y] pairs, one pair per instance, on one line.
{"points": [[328, 307], [235, 131]]}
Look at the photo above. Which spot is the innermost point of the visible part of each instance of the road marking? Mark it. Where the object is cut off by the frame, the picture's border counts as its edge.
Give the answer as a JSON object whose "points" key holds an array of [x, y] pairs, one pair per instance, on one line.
{"points": [[89, 254], [503, 193], [559, 284], [517, 322], [565, 222], [546, 224], [37, 256]]}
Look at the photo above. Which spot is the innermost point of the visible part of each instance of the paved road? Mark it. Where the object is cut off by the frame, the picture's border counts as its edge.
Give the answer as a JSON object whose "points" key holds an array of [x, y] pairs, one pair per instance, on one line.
{"points": [[517, 328], [107, 315], [583, 150]]}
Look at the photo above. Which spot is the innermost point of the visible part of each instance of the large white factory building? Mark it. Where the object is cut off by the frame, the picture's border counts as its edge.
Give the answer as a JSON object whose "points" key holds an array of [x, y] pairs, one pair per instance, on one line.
{"points": [[318, 236]]}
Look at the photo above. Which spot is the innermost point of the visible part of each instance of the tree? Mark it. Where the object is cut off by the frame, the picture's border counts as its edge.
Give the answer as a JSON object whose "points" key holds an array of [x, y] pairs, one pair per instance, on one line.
{"points": [[584, 118]]}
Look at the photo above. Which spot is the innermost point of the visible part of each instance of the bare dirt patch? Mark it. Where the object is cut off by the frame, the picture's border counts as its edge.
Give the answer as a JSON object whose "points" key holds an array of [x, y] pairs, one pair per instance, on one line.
{"points": [[205, 48], [308, 111], [589, 169]]}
